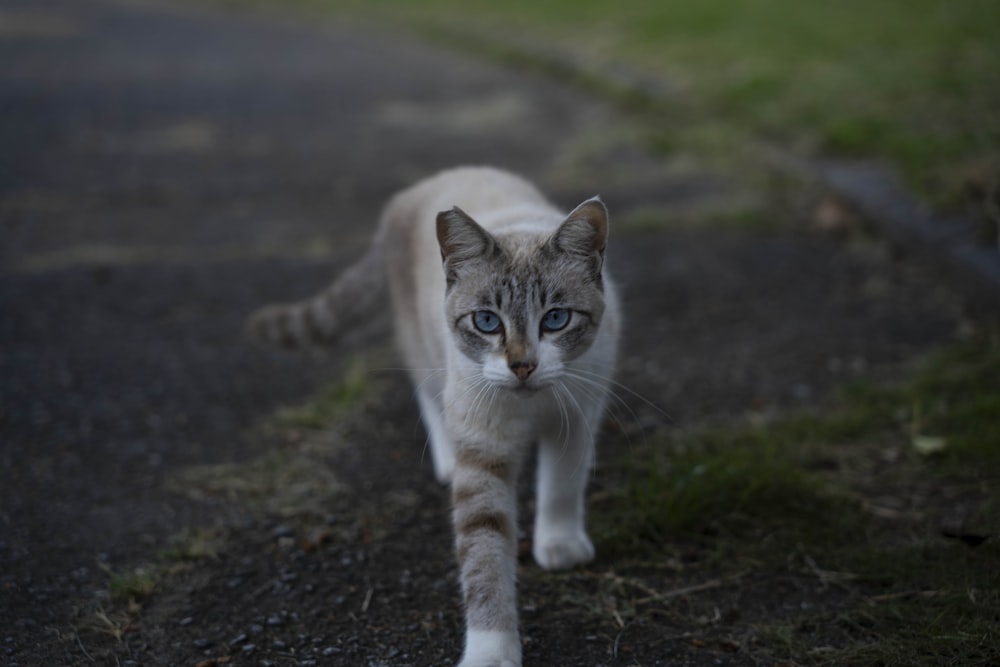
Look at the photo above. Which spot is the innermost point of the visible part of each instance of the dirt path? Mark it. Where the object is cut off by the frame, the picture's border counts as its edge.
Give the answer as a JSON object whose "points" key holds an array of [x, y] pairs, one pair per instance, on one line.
{"points": [[162, 173]]}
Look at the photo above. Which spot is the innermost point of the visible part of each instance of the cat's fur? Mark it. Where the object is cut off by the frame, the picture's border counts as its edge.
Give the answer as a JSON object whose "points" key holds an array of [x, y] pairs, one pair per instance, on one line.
{"points": [[533, 370]]}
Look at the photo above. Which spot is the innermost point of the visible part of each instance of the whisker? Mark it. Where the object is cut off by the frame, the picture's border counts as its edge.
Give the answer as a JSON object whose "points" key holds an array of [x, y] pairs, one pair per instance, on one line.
{"points": [[408, 369], [618, 385], [431, 374], [615, 402], [565, 423], [588, 427], [564, 419], [483, 395]]}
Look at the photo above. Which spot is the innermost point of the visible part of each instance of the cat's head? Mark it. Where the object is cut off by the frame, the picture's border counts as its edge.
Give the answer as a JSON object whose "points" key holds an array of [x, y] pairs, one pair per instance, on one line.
{"points": [[520, 305]]}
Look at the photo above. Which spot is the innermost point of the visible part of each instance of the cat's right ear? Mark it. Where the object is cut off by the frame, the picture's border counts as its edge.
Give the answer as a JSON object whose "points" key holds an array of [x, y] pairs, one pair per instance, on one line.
{"points": [[584, 234], [461, 239]]}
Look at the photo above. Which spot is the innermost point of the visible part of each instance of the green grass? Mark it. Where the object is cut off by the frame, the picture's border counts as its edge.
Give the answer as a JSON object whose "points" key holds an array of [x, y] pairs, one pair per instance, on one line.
{"points": [[331, 402], [800, 468], [118, 613], [911, 81], [811, 495], [192, 545], [296, 477], [719, 498], [133, 585]]}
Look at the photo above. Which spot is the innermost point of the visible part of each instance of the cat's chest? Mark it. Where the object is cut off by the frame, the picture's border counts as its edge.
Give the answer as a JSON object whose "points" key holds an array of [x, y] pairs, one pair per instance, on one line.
{"points": [[504, 414]]}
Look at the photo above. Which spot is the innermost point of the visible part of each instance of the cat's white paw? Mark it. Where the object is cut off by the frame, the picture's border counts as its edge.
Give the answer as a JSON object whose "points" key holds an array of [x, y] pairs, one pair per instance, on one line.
{"points": [[444, 467], [491, 649], [561, 550]]}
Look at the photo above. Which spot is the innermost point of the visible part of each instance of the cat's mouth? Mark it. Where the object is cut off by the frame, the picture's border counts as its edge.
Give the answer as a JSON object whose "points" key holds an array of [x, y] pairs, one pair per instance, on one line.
{"points": [[523, 389]]}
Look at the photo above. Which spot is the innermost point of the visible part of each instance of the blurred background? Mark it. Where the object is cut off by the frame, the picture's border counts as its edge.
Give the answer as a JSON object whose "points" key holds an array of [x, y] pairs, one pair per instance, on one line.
{"points": [[801, 453], [909, 83]]}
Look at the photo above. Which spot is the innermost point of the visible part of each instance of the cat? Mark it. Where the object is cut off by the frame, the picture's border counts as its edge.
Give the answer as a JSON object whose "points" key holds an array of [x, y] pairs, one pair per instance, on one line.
{"points": [[509, 323]]}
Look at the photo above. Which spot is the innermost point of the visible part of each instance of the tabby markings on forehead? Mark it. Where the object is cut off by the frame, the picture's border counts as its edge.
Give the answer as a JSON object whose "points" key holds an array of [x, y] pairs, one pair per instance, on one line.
{"points": [[534, 289]]}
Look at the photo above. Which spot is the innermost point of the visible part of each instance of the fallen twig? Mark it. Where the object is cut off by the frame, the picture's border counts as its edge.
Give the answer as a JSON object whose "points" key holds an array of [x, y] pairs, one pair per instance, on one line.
{"points": [[888, 597], [652, 595]]}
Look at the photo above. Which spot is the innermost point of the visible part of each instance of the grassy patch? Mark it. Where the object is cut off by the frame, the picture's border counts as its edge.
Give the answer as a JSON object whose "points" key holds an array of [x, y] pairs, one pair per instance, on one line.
{"points": [[913, 81], [330, 403], [132, 586], [192, 545], [118, 611], [940, 606], [297, 477], [721, 498], [840, 501]]}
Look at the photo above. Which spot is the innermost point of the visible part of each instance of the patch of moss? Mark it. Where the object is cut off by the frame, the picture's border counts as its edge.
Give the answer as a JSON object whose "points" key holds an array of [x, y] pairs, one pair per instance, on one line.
{"points": [[770, 497], [331, 402], [132, 585], [193, 544]]}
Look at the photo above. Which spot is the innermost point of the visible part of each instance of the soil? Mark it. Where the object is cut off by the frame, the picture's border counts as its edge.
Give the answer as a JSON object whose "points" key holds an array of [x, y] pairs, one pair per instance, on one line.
{"points": [[163, 172]]}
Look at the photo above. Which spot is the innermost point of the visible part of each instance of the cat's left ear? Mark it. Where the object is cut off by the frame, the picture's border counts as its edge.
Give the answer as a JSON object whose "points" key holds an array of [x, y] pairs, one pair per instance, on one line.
{"points": [[585, 233], [461, 239]]}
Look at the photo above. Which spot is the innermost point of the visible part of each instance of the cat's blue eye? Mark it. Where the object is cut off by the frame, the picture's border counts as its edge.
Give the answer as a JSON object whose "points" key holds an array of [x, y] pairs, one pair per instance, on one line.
{"points": [[555, 320], [486, 321]]}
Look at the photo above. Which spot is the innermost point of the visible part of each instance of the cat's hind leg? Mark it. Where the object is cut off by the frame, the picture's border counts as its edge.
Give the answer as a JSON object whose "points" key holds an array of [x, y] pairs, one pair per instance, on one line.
{"points": [[442, 449]]}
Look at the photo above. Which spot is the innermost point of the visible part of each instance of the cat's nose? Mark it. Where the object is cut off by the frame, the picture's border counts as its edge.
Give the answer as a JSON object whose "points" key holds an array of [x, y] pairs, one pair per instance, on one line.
{"points": [[522, 368]]}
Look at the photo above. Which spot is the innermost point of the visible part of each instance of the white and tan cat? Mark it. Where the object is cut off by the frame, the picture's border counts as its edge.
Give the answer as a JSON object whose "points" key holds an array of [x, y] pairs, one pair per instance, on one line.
{"points": [[509, 322]]}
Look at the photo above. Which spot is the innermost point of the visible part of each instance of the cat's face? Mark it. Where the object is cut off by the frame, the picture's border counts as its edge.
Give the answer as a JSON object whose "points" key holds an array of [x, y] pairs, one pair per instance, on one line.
{"points": [[520, 308]]}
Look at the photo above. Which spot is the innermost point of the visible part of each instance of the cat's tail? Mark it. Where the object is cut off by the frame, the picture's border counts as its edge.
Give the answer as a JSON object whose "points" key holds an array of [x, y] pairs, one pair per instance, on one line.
{"points": [[349, 302]]}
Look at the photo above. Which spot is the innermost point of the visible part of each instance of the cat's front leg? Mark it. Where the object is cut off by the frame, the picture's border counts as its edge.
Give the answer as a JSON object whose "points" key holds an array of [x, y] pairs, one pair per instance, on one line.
{"points": [[560, 537], [485, 520]]}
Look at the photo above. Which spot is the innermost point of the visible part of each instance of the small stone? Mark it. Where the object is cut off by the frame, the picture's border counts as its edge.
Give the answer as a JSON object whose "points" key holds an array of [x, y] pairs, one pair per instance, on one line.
{"points": [[282, 531], [187, 620], [238, 639], [279, 645], [249, 648], [275, 619], [331, 650]]}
